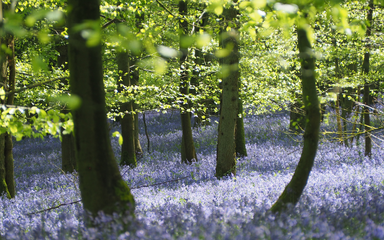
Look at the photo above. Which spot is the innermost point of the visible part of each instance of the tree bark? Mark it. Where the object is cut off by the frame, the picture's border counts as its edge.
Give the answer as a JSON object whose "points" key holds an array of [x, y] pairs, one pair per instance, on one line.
{"points": [[226, 146], [68, 152], [7, 78], [3, 182], [188, 152], [241, 150], [68, 155], [295, 187], [200, 115], [102, 187], [128, 153], [367, 121], [135, 77]]}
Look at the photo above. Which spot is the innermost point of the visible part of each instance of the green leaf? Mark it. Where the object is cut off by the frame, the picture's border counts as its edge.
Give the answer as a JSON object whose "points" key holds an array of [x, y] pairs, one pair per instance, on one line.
{"points": [[117, 134], [203, 40], [187, 41], [38, 64], [2, 93], [73, 101]]}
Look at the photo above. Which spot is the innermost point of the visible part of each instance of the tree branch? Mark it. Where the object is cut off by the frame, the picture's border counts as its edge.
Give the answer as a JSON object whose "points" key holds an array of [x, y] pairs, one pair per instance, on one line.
{"points": [[35, 85]]}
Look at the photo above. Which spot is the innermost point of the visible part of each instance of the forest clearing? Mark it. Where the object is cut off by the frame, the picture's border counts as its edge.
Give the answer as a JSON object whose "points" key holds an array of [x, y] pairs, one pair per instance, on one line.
{"points": [[342, 200]]}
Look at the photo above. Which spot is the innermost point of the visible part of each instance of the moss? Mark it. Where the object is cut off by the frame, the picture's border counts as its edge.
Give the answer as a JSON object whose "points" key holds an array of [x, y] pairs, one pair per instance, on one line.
{"points": [[4, 188], [123, 193]]}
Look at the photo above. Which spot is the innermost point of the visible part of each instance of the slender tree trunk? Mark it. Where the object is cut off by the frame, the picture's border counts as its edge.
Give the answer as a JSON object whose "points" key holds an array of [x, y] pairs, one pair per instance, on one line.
{"points": [[135, 77], [337, 104], [241, 150], [138, 148], [102, 187], [296, 116], [367, 121], [3, 78], [128, 153], [188, 152], [200, 115], [226, 146], [68, 155], [3, 182], [68, 150], [7, 78], [295, 187], [356, 117], [338, 119]]}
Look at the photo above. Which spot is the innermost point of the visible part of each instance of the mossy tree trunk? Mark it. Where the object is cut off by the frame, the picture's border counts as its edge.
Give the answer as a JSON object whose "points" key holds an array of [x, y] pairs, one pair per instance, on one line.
{"points": [[188, 152], [101, 185], [7, 79], [128, 153], [295, 187], [226, 146], [367, 121]]}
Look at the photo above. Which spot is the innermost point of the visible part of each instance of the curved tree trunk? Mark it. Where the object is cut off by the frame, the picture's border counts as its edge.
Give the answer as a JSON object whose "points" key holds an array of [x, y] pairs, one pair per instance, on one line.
{"points": [[295, 187], [188, 152], [102, 187], [226, 146]]}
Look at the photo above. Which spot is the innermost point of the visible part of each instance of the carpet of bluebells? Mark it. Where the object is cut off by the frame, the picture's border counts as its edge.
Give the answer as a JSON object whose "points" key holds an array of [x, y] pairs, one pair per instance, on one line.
{"points": [[343, 198]]}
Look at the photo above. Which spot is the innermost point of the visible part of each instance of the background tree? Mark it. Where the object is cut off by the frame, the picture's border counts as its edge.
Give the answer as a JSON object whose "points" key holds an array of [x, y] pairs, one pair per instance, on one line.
{"points": [[128, 153], [188, 152], [226, 148], [367, 121], [8, 81]]}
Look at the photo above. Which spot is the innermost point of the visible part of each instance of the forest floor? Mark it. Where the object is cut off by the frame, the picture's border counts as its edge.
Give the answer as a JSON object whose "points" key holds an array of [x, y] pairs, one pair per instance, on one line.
{"points": [[342, 200]]}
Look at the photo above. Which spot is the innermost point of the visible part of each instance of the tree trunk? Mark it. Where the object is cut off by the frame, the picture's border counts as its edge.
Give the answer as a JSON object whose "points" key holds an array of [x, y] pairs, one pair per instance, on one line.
{"points": [[135, 77], [367, 121], [188, 152], [3, 182], [101, 185], [356, 117], [7, 78], [68, 154], [138, 148], [200, 115], [295, 187], [241, 150], [226, 146], [128, 151], [296, 116]]}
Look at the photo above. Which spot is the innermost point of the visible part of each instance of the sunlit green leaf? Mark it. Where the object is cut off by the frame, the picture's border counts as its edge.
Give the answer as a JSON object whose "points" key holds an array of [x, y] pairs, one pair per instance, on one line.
{"points": [[73, 101]]}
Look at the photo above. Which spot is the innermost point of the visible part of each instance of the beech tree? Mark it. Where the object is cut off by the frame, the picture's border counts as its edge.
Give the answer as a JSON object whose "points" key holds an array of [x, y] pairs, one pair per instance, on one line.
{"points": [[7, 79], [367, 121], [295, 187], [188, 152], [226, 146], [102, 187]]}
